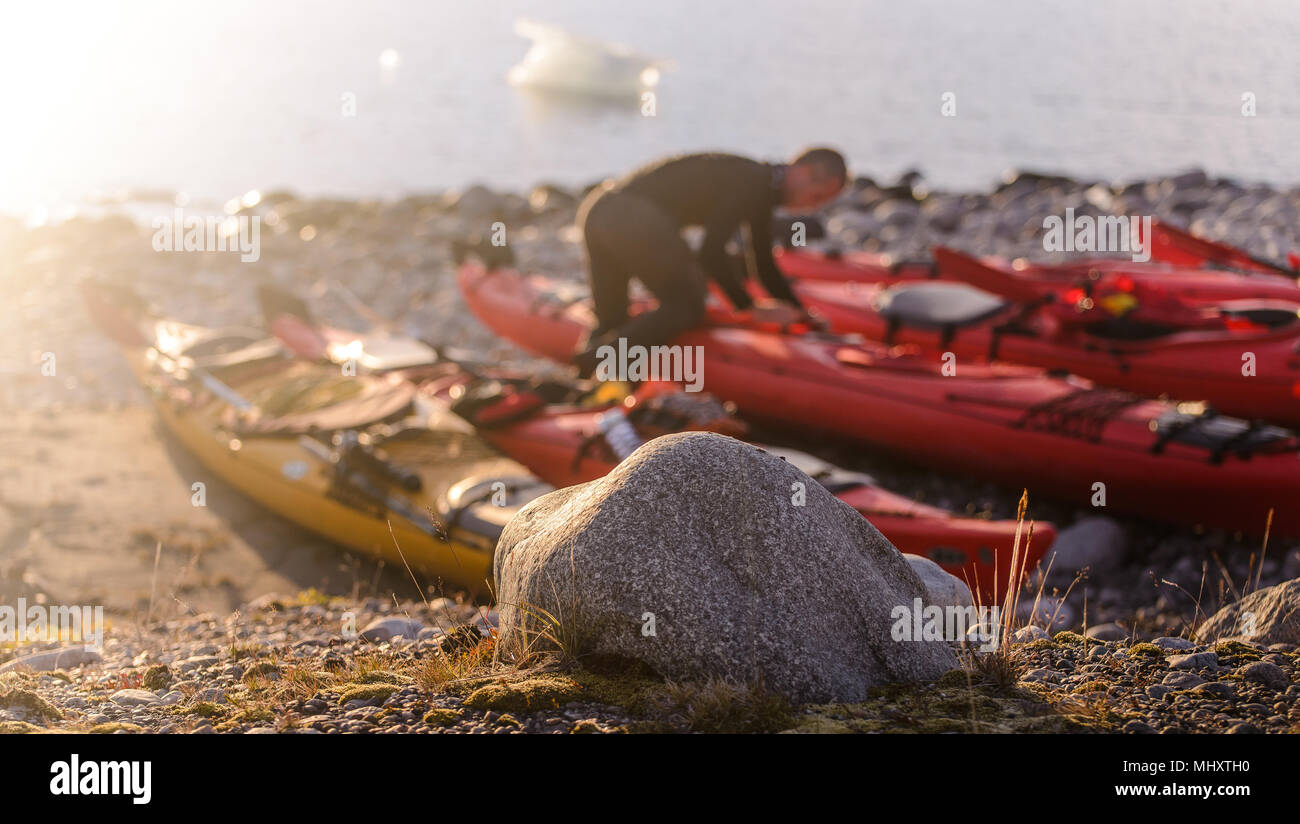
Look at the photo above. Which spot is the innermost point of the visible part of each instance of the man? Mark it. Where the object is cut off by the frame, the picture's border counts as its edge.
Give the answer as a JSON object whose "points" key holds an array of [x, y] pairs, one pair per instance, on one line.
{"points": [[632, 229]]}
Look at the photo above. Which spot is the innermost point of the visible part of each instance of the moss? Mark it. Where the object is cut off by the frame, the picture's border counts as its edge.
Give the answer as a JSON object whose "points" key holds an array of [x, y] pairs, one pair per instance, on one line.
{"points": [[311, 597], [248, 715], [585, 727], [60, 675], [30, 702], [1037, 644], [206, 709], [157, 677], [638, 694], [508, 720], [1146, 649], [115, 726], [441, 717], [367, 692], [1067, 637], [1091, 686], [539, 692], [18, 728], [954, 678], [1236, 649]]}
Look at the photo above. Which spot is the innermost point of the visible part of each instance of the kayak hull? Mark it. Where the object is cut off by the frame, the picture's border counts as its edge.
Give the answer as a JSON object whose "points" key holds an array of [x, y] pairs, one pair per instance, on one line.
{"points": [[1061, 438]]}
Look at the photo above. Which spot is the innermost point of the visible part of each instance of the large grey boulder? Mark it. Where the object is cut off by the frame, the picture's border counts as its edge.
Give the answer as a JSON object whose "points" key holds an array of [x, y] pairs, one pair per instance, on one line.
{"points": [[693, 557], [1269, 616]]}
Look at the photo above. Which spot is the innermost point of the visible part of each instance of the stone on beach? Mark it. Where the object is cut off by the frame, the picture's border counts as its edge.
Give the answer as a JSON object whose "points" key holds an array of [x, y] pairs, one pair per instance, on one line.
{"points": [[942, 588], [1269, 616], [692, 558], [64, 658]]}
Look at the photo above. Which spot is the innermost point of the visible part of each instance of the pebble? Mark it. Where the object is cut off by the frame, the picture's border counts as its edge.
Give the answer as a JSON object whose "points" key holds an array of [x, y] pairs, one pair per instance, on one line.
{"points": [[1195, 660], [1266, 673], [1108, 632], [133, 698]]}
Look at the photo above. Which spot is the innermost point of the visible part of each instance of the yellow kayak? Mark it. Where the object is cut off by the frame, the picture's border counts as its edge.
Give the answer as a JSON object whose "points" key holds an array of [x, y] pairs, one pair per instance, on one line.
{"points": [[363, 460]]}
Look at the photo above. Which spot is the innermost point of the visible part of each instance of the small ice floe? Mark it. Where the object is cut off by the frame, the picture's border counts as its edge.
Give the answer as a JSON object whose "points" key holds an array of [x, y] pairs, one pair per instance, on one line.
{"points": [[559, 61]]}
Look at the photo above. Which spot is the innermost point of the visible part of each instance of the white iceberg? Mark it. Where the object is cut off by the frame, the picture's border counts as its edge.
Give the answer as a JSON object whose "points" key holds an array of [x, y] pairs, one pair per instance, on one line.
{"points": [[563, 62]]}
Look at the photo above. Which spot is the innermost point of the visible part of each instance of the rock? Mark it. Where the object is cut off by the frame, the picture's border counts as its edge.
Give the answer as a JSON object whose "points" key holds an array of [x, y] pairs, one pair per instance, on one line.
{"points": [[1268, 616], [548, 198], [384, 629], [1263, 672], [942, 588], [1195, 660], [1219, 689], [476, 203], [1157, 691], [1030, 633], [1095, 543], [270, 602], [1042, 675], [691, 558], [1107, 632], [64, 658], [133, 698], [1136, 727], [260, 731], [1167, 642], [1182, 680], [1243, 728]]}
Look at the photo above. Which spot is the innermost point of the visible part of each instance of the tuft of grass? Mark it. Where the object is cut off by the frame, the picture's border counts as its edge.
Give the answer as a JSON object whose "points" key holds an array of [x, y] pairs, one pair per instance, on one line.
{"points": [[722, 705], [265, 670]]}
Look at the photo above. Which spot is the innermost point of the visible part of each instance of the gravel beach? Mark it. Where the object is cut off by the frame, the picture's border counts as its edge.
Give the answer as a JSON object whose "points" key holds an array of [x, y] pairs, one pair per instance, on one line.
{"points": [[196, 644]]}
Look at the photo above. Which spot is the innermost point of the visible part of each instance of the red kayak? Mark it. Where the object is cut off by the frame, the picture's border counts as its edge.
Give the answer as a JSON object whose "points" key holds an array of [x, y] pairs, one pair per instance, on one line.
{"points": [[1186, 265], [1188, 351], [1063, 438], [1179, 246], [554, 429]]}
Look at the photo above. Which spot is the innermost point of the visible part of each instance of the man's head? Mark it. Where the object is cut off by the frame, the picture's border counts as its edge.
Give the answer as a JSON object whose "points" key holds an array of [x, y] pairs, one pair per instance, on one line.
{"points": [[812, 179]]}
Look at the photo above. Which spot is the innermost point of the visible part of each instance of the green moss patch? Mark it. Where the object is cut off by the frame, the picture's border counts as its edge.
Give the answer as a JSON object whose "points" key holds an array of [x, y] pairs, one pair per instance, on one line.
{"points": [[115, 726], [441, 717], [538, 692], [367, 692]]}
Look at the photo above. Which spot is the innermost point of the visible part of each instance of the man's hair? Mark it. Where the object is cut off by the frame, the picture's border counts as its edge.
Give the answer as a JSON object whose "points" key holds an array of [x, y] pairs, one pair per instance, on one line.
{"points": [[827, 164]]}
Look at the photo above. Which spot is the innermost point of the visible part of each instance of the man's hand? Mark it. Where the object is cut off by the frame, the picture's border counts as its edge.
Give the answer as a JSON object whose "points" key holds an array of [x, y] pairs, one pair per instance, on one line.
{"points": [[776, 312]]}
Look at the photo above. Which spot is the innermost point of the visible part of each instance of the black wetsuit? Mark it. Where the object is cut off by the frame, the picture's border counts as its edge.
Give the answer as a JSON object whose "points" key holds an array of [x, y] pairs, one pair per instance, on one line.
{"points": [[632, 229]]}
